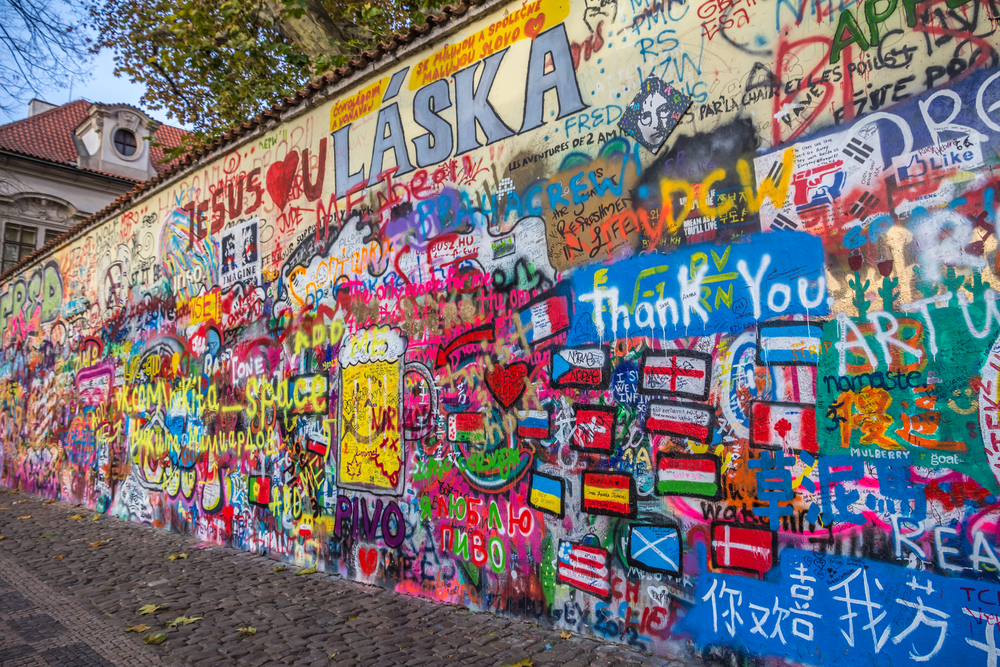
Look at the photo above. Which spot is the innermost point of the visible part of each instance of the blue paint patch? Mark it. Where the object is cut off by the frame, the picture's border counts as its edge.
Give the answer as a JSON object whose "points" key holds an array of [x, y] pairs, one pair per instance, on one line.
{"points": [[825, 609], [667, 295]]}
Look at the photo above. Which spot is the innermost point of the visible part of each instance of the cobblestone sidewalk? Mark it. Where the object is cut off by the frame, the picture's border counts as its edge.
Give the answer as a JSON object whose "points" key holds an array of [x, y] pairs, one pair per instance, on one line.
{"points": [[66, 600]]}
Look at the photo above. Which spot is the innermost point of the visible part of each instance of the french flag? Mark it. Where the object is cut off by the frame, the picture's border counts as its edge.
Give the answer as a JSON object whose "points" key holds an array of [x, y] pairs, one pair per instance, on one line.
{"points": [[547, 315], [534, 425]]}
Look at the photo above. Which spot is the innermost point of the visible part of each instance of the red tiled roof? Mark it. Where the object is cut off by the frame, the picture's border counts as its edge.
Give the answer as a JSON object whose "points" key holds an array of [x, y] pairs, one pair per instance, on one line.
{"points": [[449, 14], [49, 136]]}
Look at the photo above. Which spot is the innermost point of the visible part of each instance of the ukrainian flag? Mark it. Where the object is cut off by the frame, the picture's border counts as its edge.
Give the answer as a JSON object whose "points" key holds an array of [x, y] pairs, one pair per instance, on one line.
{"points": [[546, 494]]}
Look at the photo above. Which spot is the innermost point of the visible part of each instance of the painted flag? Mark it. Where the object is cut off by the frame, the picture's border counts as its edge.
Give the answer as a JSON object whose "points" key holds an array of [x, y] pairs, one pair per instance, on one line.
{"points": [[260, 490], [789, 343], [682, 475], [584, 567], [466, 427], [546, 494], [594, 430], [683, 373], [534, 425], [587, 367], [655, 548], [547, 314], [683, 420], [784, 425], [610, 493], [742, 548]]}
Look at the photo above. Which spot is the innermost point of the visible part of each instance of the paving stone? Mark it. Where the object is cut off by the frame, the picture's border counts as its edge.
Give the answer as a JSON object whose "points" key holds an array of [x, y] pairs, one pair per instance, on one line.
{"points": [[94, 593]]}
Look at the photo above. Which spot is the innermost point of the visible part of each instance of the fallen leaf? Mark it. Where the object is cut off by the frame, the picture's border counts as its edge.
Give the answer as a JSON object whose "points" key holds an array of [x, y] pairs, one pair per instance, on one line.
{"points": [[249, 630], [49, 536], [280, 568], [58, 557], [95, 517], [77, 516], [3, 537], [177, 557], [523, 663], [24, 517], [182, 620], [48, 502], [100, 543], [565, 635], [17, 502], [305, 571], [158, 638], [137, 628], [150, 608], [4, 508]]}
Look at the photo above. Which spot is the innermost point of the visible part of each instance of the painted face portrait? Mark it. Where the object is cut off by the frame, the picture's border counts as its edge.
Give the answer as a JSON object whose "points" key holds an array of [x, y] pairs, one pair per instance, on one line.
{"points": [[654, 113]]}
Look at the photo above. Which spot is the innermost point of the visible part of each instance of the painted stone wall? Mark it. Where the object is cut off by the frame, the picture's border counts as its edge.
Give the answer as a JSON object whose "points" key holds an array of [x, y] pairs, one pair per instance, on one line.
{"points": [[488, 329]]}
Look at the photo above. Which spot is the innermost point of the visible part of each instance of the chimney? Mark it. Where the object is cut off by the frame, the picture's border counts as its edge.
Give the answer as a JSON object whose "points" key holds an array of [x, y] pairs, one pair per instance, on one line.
{"points": [[37, 106]]}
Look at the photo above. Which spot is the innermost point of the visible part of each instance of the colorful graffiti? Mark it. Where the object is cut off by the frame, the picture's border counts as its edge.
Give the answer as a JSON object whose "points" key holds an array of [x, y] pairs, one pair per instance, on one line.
{"points": [[634, 320]]}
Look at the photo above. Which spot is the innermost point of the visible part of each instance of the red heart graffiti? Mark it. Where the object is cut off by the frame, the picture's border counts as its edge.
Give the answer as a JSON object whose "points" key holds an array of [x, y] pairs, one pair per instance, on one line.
{"points": [[506, 383], [368, 559], [534, 26], [280, 177]]}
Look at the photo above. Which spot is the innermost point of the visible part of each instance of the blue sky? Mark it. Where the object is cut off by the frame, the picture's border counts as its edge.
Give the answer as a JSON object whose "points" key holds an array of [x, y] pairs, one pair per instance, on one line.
{"points": [[103, 86]]}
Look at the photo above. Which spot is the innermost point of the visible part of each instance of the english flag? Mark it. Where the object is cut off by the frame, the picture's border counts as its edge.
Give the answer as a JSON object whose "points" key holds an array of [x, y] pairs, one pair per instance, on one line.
{"points": [[682, 373]]}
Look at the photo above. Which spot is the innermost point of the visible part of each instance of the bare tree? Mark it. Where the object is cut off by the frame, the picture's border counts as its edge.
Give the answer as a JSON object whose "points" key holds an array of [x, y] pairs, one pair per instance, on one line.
{"points": [[42, 47]]}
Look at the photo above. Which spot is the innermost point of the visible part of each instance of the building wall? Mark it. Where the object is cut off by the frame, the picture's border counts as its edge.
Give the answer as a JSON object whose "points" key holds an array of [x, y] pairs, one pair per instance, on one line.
{"points": [[458, 333]]}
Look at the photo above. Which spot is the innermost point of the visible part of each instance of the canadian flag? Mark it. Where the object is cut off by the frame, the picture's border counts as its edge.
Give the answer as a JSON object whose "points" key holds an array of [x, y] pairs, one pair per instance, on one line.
{"points": [[784, 426]]}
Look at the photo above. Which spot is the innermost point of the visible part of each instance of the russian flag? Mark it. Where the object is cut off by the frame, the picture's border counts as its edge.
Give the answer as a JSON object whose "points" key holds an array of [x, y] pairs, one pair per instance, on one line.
{"points": [[547, 315], [534, 425], [789, 343]]}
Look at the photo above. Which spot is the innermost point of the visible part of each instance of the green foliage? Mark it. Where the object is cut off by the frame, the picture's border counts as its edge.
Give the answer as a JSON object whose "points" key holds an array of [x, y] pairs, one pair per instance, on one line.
{"points": [[216, 64]]}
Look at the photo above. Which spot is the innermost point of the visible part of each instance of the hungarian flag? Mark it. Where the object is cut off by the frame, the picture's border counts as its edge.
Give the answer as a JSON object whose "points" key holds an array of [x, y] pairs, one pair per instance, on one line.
{"points": [[677, 373], [741, 548], [683, 420], [547, 315], [784, 425], [610, 493], [584, 567], [678, 475], [466, 427]]}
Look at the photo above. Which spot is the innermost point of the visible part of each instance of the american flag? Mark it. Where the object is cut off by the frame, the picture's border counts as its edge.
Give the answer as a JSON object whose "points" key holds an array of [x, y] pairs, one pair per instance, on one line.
{"points": [[584, 567]]}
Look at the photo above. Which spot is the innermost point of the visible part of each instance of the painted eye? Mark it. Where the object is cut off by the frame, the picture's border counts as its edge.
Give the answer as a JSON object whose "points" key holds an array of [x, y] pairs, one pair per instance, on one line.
{"points": [[646, 118]]}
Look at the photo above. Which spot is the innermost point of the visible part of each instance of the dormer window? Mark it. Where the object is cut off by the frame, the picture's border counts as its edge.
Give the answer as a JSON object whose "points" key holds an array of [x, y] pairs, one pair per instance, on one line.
{"points": [[125, 142]]}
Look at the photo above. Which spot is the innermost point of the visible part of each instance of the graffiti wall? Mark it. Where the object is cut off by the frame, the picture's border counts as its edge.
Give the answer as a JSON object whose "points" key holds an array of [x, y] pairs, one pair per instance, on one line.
{"points": [[673, 323]]}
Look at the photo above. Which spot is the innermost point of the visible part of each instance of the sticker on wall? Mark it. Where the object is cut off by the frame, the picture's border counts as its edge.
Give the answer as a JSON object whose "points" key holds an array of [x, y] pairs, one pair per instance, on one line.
{"points": [[688, 475], [259, 489], [654, 548], [789, 343], [546, 493], [594, 430], [547, 315], [784, 426], [743, 548], [609, 493], [507, 382], [681, 420], [584, 367], [680, 373], [585, 568], [240, 255], [370, 453], [654, 112]]}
